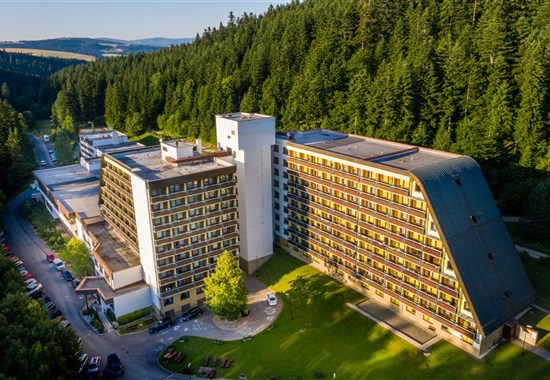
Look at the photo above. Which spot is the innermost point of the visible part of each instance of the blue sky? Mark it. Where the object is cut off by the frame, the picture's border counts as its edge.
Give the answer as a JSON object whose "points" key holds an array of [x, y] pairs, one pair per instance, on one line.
{"points": [[123, 19]]}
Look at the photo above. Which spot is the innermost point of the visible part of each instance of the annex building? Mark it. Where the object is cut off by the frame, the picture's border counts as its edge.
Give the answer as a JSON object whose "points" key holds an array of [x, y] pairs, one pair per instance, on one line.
{"points": [[414, 229]]}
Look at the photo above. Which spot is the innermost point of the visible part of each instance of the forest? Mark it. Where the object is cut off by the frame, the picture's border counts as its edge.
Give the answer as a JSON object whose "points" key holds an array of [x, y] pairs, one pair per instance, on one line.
{"points": [[467, 76]]}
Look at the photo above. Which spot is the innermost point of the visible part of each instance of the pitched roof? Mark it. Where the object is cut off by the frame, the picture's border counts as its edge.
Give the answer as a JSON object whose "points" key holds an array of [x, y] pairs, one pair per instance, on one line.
{"points": [[482, 253]]}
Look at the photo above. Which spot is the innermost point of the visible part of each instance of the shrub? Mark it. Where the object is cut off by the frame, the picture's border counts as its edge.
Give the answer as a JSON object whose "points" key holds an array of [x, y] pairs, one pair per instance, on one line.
{"points": [[99, 326], [130, 317], [111, 315]]}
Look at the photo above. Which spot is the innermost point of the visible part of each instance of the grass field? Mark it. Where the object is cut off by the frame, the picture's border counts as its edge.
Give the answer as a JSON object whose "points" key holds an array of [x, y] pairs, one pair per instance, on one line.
{"points": [[42, 127], [518, 233], [147, 139], [326, 336], [50, 53], [539, 274]]}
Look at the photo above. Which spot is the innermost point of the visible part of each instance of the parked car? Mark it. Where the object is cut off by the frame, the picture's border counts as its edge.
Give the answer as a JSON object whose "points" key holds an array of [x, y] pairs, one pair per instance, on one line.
{"points": [[161, 325], [94, 365], [13, 259], [50, 256], [49, 306], [42, 163], [7, 249], [67, 274], [29, 289], [191, 313], [30, 281], [84, 359], [45, 298], [19, 263], [75, 282], [114, 365], [58, 264], [36, 294], [271, 299], [26, 274], [54, 313]]}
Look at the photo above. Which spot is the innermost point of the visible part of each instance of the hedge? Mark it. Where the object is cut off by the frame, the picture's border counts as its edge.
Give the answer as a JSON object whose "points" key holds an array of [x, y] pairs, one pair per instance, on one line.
{"points": [[130, 317]]}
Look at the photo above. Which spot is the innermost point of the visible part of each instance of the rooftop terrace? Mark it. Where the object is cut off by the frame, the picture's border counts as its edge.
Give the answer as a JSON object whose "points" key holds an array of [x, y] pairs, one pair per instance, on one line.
{"points": [[114, 251], [147, 163]]}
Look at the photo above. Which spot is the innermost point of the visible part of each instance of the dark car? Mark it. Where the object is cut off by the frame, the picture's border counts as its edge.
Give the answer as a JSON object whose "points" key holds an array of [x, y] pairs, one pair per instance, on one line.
{"points": [[161, 325], [36, 294], [114, 365], [191, 313], [67, 274], [75, 283], [54, 313]]}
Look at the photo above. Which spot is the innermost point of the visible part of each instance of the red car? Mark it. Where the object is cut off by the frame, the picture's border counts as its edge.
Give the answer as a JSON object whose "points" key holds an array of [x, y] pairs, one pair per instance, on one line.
{"points": [[50, 256], [26, 275]]}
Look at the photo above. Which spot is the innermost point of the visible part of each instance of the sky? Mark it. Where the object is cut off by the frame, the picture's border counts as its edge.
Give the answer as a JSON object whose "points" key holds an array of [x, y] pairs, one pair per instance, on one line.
{"points": [[120, 19]]}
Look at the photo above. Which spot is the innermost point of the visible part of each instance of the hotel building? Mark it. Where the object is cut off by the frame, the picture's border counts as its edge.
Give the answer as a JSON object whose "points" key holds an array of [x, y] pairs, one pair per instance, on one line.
{"points": [[177, 210], [414, 229]]}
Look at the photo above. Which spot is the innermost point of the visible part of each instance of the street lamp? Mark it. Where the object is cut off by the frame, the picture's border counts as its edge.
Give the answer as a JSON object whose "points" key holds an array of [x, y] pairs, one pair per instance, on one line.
{"points": [[189, 371], [289, 305]]}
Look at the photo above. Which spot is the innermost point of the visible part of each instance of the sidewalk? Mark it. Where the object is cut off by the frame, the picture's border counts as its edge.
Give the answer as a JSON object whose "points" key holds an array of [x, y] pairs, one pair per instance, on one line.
{"points": [[531, 252], [535, 350]]}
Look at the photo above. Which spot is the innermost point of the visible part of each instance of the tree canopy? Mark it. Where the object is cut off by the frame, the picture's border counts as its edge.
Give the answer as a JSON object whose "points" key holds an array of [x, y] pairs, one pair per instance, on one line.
{"points": [[31, 345], [76, 254], [225, 289]]}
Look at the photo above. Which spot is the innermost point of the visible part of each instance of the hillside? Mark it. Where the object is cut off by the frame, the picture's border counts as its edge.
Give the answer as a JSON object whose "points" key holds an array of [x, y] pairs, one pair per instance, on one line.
{"points": [[470, 77], [88, 46]]}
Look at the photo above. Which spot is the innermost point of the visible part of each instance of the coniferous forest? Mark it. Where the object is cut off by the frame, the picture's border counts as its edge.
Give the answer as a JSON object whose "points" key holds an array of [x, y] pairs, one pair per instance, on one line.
{"points": [[468, 76]]}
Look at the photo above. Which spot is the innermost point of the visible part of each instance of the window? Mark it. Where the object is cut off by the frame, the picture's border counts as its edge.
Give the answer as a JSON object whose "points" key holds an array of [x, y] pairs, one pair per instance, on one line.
{"points": [[428, 319], [168, 301], [200, 290], [379, 293], [411, 310], [276, 148], [276, 160]]}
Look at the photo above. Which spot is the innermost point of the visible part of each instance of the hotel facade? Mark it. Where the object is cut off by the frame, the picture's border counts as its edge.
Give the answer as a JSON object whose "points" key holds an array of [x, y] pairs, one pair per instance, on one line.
{"points": [[413, 229]]}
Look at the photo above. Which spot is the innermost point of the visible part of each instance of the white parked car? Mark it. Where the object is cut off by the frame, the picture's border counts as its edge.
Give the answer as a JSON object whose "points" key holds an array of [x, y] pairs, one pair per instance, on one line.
{"points": [[58, 264], [271, 299]]}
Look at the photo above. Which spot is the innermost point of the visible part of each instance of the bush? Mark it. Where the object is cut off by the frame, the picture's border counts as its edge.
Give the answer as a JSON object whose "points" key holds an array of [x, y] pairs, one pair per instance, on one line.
{"points": [[99, 326], [130, 317], [111, 315]]}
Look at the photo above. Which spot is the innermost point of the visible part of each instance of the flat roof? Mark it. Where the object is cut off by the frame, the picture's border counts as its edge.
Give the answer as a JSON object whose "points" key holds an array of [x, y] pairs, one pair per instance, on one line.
{"points": [[177, 143], [388, 153], [101, 134], [116, 253], [96, 284], [243, 116], [147, 163], [118, 147], [74, 186]]}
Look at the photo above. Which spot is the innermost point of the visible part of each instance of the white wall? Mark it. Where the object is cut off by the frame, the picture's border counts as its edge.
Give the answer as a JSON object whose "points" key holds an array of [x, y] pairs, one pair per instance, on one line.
{"points": [[251, 140], [126, 277], [132, 301], [145, 236]]}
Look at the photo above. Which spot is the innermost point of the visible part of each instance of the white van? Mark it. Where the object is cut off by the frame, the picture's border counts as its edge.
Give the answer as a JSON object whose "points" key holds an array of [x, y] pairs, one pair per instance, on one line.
{"points": [[46, 138], [58, 264]]}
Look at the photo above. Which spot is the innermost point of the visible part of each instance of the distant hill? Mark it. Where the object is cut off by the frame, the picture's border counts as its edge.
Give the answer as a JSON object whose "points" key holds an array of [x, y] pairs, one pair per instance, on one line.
{"points": [[155, 41], [88, 46]]}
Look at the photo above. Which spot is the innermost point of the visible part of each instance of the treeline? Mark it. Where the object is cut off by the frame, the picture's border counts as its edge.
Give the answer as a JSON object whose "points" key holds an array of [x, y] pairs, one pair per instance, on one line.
{"points": [[467, 76], [31, 345], [16, 152], [22, 80]]}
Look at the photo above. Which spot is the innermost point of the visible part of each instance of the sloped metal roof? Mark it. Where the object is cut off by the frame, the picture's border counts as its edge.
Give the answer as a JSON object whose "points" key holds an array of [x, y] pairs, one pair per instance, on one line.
{"points": [[482, 253]]}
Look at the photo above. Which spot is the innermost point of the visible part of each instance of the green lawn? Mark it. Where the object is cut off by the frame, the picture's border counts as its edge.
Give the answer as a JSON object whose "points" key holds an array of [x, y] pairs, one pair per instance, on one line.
{"points": [[42, 127], [521, 236], [541, 321], [147, 139], [539, 274], [327, 336]]}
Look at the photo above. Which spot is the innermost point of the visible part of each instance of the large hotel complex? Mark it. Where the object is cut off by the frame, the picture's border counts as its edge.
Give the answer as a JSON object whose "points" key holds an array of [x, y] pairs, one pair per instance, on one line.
{"points": [[415, 230]]}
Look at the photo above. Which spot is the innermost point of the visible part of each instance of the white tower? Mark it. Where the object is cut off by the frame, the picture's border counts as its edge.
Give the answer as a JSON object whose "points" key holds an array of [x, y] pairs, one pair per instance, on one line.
{"points": [[250, 137]]}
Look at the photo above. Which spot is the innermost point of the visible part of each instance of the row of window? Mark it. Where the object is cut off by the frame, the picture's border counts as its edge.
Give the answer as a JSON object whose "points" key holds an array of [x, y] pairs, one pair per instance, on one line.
{"points": [[194, 199], [195, 184], [349, 169]]}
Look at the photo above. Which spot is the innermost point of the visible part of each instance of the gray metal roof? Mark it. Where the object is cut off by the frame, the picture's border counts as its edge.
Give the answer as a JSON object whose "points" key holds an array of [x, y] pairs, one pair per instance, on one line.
{"points": [[485, 258]]}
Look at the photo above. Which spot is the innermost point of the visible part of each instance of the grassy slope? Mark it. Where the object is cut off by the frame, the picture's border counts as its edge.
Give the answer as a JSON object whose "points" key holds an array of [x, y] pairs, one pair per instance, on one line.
{"points": [[329, 337], [51, 53]]}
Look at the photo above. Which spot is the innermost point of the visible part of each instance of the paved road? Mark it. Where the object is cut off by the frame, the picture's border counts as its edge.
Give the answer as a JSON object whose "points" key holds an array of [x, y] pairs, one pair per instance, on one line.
{"points": [[41, 150]]}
